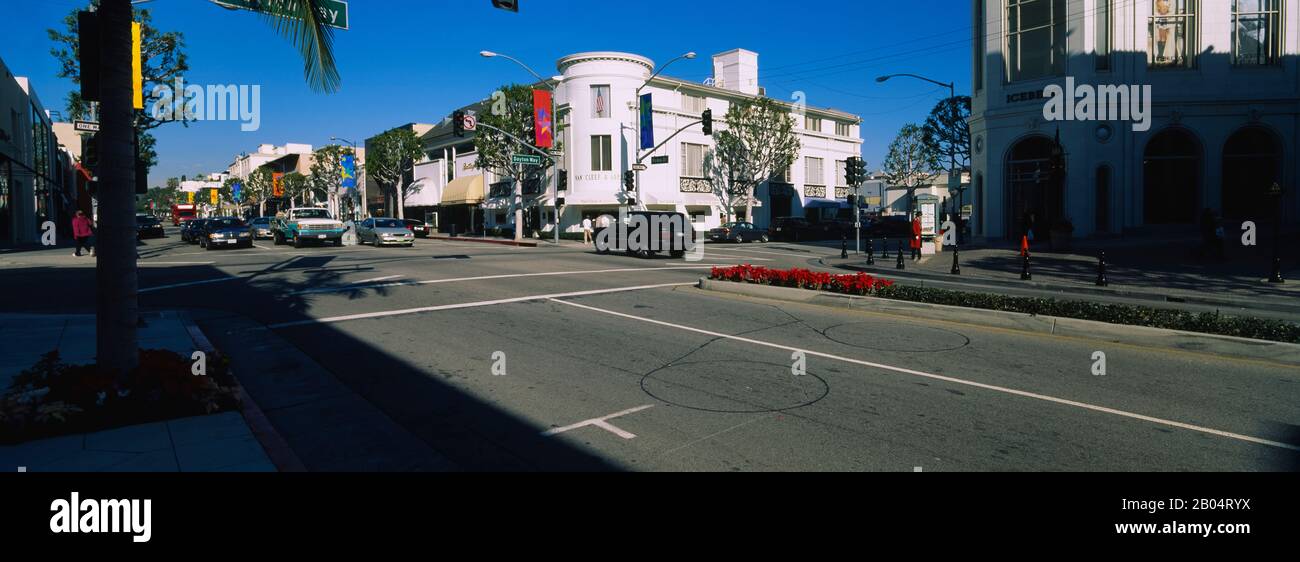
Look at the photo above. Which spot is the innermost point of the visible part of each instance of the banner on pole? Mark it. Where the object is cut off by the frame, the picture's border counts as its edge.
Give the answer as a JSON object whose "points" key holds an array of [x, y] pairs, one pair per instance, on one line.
{"points": [[543, 124], [647, 122], [237, 192], [349, 173], [277, 184], [214, 196]]}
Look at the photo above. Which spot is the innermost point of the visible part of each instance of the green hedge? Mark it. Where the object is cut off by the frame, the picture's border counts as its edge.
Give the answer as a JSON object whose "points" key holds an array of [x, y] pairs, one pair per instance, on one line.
{"points": [[1133, 315]]}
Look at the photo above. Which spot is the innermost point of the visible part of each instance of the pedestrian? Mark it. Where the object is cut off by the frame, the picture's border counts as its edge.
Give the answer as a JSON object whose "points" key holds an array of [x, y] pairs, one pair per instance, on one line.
{"points": [[586, 230], [916, 236], [1211, 235], [82, 229]]}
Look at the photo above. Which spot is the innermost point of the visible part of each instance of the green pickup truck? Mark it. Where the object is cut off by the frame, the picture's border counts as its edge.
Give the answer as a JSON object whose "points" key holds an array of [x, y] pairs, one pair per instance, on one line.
{"points": [[299, 226]]}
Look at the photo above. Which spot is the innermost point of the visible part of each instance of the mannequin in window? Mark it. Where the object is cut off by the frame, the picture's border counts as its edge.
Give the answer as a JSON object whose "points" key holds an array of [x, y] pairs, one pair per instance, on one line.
{"points": [[1163, 26]]}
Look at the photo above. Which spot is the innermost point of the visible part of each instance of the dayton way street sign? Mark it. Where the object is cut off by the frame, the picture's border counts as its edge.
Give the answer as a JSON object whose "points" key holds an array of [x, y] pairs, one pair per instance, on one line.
{"points": [[335, 12], [529, 159]]}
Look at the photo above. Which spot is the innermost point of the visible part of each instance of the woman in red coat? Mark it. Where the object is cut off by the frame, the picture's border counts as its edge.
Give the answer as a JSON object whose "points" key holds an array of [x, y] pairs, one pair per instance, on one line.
{"points": [[916, 236], [82, 229]]}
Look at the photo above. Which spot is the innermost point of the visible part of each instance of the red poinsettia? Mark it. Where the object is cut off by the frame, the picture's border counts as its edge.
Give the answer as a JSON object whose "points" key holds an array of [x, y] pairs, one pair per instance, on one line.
{"points": [[854, 284]]}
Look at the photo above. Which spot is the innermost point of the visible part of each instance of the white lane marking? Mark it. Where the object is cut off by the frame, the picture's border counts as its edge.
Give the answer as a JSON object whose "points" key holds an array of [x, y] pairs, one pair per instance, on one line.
{"points": [[805, 256], [746, 257], [260, 246], [601, 422], [402, 312], [145, 262], [376, 279], [1003, 389], [354, 286], [191, 283]]}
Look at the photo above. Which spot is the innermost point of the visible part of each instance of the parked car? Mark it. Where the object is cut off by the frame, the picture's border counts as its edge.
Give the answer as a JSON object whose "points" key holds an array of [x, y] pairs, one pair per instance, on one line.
{"points": [[190, 230], [148, 226], [227, 232], [261, 228], [673, 230], [419, 228], [790, 229], [892, 226], [383, 231], [738, 232], [298, 226]]}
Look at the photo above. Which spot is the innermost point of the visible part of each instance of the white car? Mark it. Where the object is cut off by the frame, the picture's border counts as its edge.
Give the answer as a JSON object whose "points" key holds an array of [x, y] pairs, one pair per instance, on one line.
{"points": [[308, 224]]}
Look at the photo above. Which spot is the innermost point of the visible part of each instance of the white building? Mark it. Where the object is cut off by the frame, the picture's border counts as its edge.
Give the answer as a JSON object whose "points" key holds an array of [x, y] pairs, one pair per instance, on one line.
{"points": [[245, 164], [596, 110], [1226, 95]]}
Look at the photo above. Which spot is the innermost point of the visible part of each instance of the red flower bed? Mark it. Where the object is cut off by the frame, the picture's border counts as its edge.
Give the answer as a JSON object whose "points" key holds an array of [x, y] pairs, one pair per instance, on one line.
{"points": [[849, 284]]}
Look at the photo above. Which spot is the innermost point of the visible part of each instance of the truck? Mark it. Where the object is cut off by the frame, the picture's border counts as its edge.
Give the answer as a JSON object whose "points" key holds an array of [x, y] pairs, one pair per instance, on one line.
{"points": [[308, 224], [183, 213]]}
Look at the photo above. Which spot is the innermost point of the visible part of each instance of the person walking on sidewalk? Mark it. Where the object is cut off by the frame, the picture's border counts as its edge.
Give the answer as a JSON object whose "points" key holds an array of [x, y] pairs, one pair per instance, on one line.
{"points": [[586, 230], [916, 236], [82, 229]]}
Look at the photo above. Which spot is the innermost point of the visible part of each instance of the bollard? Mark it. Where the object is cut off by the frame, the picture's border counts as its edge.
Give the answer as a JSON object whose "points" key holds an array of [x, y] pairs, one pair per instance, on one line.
{"points": [[900, 265], [1277, 272], [844, 246], [884, 249], [1101, 270], [956, 269], [1024, 269], [871, 251], [453, 230]]}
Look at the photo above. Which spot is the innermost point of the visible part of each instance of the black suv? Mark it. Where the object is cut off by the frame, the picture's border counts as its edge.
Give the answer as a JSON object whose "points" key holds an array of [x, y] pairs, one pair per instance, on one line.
{"points": [[673, 229]]}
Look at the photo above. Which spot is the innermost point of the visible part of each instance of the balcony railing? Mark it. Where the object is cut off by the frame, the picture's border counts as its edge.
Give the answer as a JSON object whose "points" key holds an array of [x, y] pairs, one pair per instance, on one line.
{"points": [[696, 185]]}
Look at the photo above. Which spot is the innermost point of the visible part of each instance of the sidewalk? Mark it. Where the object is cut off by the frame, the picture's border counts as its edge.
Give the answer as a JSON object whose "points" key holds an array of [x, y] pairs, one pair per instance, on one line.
{"points": [[222, 442], [1165, 272]]}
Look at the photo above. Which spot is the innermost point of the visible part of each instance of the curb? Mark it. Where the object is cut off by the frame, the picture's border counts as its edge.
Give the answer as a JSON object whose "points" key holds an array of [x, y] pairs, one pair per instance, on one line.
{"points": [[484, 241], [1244, 302], [277, 449], [1280, 352]]}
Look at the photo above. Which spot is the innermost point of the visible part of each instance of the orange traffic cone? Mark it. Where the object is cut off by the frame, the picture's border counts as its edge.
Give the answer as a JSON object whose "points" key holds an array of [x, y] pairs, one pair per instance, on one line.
{"points": [[1024, 245]]}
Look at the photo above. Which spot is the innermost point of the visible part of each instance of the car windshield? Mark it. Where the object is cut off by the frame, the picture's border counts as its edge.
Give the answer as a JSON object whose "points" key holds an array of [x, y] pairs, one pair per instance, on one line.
{"points": [[311, 214], [388, 223], [227, 222]]}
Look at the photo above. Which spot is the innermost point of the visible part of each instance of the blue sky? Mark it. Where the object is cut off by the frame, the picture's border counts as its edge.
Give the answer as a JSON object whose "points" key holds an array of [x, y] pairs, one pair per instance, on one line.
{"points": [[408, 61]]}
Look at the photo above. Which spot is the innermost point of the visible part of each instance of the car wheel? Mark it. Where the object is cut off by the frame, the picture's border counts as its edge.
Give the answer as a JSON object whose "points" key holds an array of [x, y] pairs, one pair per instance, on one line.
{"points": [[376, 242], [278, 237], [764, 239], [297, 241]]}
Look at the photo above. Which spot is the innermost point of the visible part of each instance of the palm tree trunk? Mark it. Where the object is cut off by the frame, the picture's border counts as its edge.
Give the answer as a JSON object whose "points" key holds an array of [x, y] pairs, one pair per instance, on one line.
{"points": [[116, 304]]}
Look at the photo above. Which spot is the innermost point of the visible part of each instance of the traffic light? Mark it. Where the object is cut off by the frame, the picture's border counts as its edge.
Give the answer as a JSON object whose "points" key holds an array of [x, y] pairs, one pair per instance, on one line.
{"points": [[855, 171], [561, 180], [707, 119], [511, 5], [458, 123], [629, 181]]}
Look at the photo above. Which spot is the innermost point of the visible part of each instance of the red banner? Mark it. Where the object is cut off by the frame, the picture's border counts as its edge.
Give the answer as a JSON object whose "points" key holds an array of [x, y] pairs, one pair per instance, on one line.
{"points": [[277, 184], [543, 124]]}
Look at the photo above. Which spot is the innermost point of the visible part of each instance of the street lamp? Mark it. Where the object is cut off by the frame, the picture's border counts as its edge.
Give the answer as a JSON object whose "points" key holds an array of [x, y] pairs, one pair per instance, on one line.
{"points": [[637, 117], [361, 186], [952, 155], [547, 82]]}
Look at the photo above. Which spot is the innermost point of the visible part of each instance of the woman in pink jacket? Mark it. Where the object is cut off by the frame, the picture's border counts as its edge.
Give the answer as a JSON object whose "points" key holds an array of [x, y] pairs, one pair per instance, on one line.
{"points": [[82, 230]]}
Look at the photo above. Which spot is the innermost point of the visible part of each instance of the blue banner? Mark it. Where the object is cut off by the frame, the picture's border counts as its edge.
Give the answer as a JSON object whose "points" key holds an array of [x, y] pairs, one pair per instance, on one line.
{"points": [[237, 192], [349, 172], [647, 123]]}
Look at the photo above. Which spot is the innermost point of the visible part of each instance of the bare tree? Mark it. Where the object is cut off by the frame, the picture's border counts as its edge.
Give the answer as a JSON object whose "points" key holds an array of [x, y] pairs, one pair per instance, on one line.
{"points": [[758, 141], [912, 163]]}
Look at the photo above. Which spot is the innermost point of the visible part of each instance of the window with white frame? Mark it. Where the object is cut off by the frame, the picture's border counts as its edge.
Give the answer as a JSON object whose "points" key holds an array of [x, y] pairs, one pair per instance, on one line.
{"points": [[600, 102], [694, 104], [782, 176], [814, 174], [842, 129], [1256, 32], [601, 153], [841, 173], [812, 123], [1171, 33], [1035, 39], [693, 160]]}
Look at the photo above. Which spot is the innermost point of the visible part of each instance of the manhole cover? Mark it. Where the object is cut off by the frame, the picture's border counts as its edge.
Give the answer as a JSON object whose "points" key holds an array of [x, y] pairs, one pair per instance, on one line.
{"points": [[892, 337], [738, 387]]}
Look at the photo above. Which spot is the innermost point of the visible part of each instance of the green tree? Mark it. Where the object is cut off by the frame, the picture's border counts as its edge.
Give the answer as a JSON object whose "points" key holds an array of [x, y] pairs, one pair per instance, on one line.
{"points": [[390, 158], [757, 142], [297, 188], [327, 173], [510, 110], [117, 307], [947, 131], [258, 188], [911, 163]]}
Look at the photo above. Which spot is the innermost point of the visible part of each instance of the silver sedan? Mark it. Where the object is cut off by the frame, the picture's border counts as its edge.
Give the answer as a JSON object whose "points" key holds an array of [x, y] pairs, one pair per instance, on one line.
{"points": [[381, 232]]}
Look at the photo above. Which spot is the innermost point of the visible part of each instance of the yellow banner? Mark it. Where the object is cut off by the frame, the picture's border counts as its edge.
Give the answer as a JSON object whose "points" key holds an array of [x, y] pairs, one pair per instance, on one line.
{"points": [[214, 197], [189, 196], [137, 75]]}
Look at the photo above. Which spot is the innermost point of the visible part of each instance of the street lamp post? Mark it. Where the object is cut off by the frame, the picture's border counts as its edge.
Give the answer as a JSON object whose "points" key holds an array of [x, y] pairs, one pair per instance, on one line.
{"points": [[952, 154], [518, 194], [637, 117]]}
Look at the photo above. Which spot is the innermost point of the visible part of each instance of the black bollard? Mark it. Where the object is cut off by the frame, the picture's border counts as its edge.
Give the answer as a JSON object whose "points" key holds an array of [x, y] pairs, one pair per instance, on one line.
{"points": [[1024, 269], [884, 249], [956, 268], [1101, 270], [1277, 272], [844, 246], [871, 252], [900, 265]]}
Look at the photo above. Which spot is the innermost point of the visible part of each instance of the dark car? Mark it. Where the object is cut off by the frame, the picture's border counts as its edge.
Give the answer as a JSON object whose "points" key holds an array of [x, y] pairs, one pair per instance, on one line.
{"points": [[190, 230], [738, 232], [673, 228], [792, 229], [148, 226], [261, 228], [225, 231], [420, 229], [893, 226]]}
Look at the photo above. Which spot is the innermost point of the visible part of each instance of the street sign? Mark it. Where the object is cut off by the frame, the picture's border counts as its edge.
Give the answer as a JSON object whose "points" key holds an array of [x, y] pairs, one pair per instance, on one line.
{"points": [[527, 159], [659, 159], [470, 123], [335, 12], [640, 167], [86, 126]]}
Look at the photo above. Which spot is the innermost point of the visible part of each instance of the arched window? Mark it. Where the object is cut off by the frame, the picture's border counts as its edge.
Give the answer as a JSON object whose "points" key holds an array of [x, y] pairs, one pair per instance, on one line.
{"points": [[1252, 162], [1171, 169], [1034, 193]]}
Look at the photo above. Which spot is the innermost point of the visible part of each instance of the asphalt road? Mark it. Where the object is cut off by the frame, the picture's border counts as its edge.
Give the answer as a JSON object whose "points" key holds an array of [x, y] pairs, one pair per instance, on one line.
{"points": [[497, 357]]}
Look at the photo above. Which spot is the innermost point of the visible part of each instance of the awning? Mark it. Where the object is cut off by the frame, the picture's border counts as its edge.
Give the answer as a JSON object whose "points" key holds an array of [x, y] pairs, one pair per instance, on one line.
{"points": [[464, 191]]}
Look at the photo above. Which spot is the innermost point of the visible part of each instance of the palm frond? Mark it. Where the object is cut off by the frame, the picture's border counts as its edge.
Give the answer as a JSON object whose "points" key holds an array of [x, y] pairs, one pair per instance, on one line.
{"points": [[302, 24]]}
